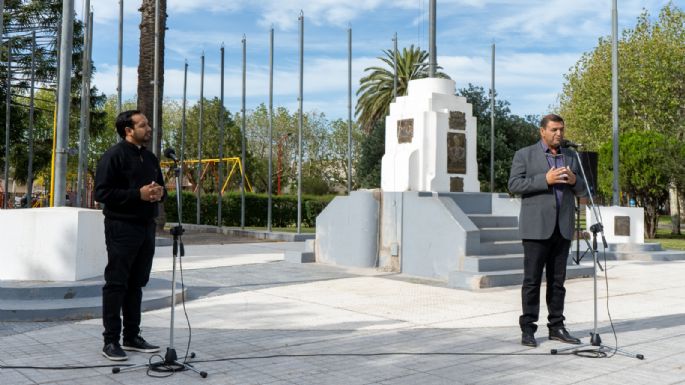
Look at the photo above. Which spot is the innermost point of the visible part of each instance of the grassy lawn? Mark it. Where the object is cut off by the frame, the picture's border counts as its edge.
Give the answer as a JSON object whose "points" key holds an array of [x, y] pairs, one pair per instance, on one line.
{"points": [[664, 236]]}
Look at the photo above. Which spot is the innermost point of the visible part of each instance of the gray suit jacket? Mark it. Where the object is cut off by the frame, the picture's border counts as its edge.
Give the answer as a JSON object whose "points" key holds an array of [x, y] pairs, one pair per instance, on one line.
{"points": [[538, 203]]}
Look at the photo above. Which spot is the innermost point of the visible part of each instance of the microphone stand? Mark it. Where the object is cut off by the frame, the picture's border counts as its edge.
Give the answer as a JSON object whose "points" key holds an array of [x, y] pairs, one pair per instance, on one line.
{"points": [[171, 363], [599, 350]]}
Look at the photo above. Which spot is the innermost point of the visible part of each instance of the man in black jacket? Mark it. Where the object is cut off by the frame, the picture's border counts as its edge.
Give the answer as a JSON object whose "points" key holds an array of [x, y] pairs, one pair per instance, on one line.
{"points": [[129, 183]]}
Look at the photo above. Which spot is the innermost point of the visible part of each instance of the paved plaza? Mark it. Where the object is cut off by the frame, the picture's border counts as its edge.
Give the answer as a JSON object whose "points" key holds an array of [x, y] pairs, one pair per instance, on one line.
{"points": [[257, 319]]}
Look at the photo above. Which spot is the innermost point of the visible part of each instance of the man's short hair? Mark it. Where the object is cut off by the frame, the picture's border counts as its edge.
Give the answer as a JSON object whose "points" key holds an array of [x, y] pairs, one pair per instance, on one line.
{"points": [[550, 118], [125, 119]]}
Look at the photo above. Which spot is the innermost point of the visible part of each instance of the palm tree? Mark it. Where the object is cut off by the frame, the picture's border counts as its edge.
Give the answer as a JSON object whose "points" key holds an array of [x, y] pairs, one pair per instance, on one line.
{"points": [[376, 90], [146, 63]]}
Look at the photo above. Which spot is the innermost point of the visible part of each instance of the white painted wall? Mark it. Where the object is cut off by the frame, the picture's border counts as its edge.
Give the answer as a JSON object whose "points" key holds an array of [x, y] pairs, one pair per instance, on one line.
{"points": [[52, 244]]}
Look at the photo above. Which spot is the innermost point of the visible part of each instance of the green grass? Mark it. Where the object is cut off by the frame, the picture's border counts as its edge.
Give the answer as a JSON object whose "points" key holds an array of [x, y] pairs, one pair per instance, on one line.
{"points": [[664, 236]]}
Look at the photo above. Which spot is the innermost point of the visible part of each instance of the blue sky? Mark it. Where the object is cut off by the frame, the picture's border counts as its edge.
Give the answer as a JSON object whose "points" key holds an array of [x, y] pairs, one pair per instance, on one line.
{"points": [[537, 42]]}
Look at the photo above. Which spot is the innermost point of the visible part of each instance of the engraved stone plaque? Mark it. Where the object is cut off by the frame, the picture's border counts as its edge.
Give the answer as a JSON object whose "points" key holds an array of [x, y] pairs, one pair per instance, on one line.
{"points": [[405, 130], [622, 225], [457, 120], [456, 153], [456, 184]]}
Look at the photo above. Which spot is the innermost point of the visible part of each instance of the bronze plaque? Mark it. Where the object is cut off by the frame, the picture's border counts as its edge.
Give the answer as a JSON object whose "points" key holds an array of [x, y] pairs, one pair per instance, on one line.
{"points": [[622, 226], [405, 130], [456, 153], [457, 120], [456, 184]]}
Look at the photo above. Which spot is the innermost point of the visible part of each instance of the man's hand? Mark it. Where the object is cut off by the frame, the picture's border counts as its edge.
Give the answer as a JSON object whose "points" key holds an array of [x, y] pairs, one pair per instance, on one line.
{"points": [[151, 192], [561, 175]]}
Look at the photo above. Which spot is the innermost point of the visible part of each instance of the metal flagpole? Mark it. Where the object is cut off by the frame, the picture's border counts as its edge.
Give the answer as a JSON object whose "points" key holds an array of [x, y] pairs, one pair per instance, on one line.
{"points": [[29, 178], [394, 68], [614, 97], [198, 169], [492, 123], [155, 102], [349, 110], [242, 139], [183, 114], [432, 54], [219, 220], [271, 123], [299, 131], [80, 184], [63, 103], [8, 100], [120, 55]]}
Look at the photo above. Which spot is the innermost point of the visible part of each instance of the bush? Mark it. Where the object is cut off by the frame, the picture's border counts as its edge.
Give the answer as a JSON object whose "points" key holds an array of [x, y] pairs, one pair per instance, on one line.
{"points": [[283, 210]]}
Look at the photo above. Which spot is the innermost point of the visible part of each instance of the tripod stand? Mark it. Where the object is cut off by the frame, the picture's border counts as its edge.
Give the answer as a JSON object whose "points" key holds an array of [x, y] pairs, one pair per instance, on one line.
{"points": [[170, 362], [595, 340]]}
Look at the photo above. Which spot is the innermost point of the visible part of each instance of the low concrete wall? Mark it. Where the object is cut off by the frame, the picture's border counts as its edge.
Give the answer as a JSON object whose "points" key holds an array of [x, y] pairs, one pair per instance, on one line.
{"points": [[437, 235], [636, 218], [52, 244], [347, 231]]}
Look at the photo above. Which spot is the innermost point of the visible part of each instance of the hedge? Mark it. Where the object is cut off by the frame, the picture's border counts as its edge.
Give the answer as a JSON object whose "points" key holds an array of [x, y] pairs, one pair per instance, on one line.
{"points": [[283, 210]]}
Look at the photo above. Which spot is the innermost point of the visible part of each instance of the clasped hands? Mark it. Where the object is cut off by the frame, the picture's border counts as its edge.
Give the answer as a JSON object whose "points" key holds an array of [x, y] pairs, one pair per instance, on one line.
{"points": [[152, 192], [561, 175]]}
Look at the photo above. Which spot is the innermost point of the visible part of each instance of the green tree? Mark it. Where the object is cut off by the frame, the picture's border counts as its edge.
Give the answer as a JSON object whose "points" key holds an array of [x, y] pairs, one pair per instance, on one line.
{"points": [[648, 161], [376, 89], [21, 17], [371, 151], [512, 132]]}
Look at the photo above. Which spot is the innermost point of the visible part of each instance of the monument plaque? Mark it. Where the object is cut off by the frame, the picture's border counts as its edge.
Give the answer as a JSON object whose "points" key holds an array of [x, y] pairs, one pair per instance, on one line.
{"points": [[456, 184], [622, 225], [457, 120], [456, 153], [405, 130]]}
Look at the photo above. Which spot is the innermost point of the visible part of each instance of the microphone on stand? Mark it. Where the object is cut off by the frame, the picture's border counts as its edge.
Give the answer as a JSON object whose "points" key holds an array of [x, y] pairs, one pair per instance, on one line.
{"points": [[169, 153], [566, 144]]}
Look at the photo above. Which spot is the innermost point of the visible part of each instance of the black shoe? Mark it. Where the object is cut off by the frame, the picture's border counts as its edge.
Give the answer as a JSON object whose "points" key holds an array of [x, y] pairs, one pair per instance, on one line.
{"points": [[113, 352], [528, 339], [561, 334], [140, 345]]}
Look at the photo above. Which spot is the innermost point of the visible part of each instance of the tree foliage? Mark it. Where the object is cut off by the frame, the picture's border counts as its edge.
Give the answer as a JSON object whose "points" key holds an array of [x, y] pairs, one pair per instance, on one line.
{"points": [[376, 89], [648, 161], [21, 17], [512, 132], [651, 82]]}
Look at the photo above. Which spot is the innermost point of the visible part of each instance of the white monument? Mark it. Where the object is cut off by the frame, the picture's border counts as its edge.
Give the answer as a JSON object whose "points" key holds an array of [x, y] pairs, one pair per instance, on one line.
{"points": [[430, 140]]}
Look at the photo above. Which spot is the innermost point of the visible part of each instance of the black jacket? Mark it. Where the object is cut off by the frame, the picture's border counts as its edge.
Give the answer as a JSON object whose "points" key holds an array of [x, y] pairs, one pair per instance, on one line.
{"points": [[121, 172]]}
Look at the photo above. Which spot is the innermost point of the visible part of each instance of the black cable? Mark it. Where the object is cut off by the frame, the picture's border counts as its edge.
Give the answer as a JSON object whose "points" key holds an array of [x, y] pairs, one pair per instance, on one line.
{"points": [[161, 367], [611, 321]]}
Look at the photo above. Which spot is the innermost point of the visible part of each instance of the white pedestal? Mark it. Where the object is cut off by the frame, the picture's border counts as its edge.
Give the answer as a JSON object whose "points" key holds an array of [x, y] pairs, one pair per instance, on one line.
{"points": [[430, 141], [52, 244], [635, 216]]}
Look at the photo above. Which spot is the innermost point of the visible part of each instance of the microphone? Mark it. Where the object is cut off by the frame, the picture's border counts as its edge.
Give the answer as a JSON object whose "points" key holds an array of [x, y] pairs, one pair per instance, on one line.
{"points": [[567, 143], [170, 154]]}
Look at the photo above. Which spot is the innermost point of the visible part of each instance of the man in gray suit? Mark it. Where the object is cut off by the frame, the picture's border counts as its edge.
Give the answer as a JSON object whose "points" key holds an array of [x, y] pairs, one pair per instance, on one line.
{"points": [[544, 174]]}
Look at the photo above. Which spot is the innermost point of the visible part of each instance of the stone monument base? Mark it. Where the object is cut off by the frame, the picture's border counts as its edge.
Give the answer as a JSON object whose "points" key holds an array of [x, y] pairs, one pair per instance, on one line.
{"points": [[52, 244]]}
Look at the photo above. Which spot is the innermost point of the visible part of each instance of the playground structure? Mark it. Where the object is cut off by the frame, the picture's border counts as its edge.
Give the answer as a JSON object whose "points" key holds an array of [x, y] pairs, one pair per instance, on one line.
{"points": [[209, 168]]}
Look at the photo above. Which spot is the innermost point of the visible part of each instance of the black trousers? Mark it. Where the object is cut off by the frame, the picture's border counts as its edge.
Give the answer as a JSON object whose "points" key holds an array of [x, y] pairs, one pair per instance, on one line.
{"points": [[552, 255], [130, 247]]}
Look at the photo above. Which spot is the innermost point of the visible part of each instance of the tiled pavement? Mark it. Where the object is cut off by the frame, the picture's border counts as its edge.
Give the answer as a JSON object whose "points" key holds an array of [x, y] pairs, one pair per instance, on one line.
{"points": [[258, 320]]}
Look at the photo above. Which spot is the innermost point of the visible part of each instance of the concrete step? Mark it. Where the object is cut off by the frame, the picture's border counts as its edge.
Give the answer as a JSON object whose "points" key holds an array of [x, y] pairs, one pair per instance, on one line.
{"points": [[490, 221], [483, 263], [501, 247], [632, 252], [499, 234], [53, 301], [470, 280]]}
